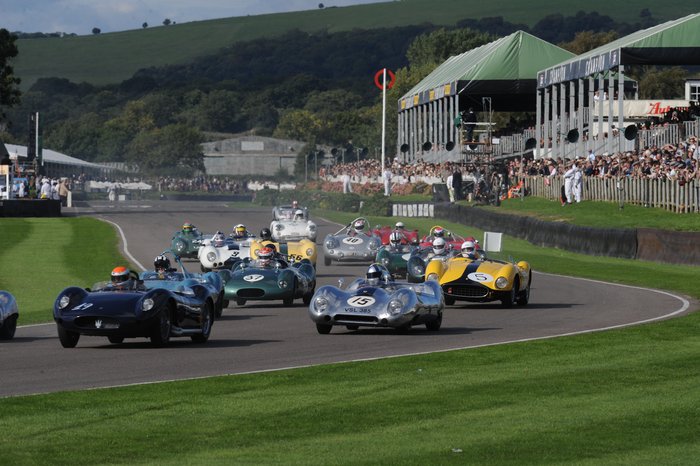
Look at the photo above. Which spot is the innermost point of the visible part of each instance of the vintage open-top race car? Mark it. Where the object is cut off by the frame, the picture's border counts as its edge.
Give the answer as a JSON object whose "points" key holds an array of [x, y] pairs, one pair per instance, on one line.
{"points": [[292, 224], [453, 239], [9, 313], [407, 236], [126, 308], [352, 243], [293, 251], [186, 242], [221, 252], [395, 258], [422, 256], [270, 277], [377, 301], [479, 279]]}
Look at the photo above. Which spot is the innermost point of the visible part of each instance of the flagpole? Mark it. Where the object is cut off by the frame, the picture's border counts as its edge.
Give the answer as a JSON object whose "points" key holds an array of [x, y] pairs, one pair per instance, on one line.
{"points": [[383, 117]]}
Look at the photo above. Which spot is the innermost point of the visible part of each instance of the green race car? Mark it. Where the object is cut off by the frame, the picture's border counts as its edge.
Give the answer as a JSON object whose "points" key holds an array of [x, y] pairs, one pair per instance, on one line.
{"points": [[271, 280], [186, 242], [395, 258]]}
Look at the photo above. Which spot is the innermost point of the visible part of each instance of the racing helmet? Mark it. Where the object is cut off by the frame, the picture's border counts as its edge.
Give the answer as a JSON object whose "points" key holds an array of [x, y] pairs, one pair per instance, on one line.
{"points": [[298, 214], [161, 263], [265, 255], [439, 232], [468, 248], [187, 227], [240, 231], [219, 240], [374, 274], [265, 234], [400, 226], [120, 276], [439, 246], [395, 238], [359, 225]]}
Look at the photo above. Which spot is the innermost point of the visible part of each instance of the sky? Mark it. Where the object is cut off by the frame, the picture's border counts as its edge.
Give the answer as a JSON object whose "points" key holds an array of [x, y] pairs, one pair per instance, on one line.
{"points": [[81, 16]]}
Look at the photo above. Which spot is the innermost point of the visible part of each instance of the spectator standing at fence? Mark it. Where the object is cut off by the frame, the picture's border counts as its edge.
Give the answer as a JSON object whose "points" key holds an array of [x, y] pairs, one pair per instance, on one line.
{"points": [[347, 187], [63, 192], [569, 183], [470, 123], [457, 183], [387, 180], [45, 192], [578, 181], [450, 188]]}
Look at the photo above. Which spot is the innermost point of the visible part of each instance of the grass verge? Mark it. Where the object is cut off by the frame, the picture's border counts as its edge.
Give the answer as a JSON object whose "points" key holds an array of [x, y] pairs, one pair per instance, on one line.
{"points": [[41, 256]]}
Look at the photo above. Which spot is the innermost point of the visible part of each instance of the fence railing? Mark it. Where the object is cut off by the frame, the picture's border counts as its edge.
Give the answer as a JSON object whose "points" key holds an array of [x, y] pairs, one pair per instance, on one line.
{"points": [[661, 193]]}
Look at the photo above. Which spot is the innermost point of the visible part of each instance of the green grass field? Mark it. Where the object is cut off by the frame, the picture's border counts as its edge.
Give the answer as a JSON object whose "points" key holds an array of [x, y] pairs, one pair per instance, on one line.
{"points": [[616, 397], [113, 57], [41, 256]]}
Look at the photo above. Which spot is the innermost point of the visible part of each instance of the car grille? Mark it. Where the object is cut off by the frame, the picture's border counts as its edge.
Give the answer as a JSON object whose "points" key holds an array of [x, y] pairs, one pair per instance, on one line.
{"points": [[355, 318], [466, 291], [91, 322], [250, 293]]}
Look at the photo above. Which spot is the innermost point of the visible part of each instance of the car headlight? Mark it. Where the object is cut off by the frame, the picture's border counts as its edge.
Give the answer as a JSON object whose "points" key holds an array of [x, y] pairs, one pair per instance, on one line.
{"points": [[311, 227], [282, 283], [309, 252], [501, 282], [179, 246], [147, 304], [433, 276], [418, 269], [385, 261], [374, 244], [211, 256], [279, 227], [64, 301], [331, 244], [320, 304], [395, 306]]}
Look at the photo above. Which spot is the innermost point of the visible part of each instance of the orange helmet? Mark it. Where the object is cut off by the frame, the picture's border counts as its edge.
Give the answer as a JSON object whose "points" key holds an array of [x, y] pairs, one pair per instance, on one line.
{"points": [[120, 275]]}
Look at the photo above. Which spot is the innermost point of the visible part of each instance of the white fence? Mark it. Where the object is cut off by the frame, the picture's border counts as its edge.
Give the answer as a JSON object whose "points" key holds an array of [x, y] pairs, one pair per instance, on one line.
{"points": [[662, 193]]}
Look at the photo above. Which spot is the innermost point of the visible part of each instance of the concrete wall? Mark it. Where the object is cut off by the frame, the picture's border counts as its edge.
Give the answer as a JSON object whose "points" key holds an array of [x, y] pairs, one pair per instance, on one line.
{"points": [[250, 155]]}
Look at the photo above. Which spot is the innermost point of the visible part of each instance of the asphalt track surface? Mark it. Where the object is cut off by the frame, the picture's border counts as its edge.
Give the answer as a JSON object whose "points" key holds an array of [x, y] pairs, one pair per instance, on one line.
{"points": [[265, 336]]}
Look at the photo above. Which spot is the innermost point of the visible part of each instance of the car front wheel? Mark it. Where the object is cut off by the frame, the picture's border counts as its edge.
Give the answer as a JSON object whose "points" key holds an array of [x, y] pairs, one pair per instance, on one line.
{"points": [[206, 322], [7, 331], [68, 339], [323, 329], [160, 335]]}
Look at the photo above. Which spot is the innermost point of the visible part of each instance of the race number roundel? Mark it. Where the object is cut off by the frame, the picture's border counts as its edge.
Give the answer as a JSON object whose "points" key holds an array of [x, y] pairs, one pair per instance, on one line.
{"points": [[480, 277], [253, 278], [378, 78], [361, 301], [353, 240]]}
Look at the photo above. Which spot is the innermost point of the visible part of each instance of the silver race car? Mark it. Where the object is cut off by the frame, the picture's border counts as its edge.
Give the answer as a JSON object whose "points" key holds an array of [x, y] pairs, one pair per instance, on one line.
{"points": [[291, 224], [378, 301], [352, 243], [8, 315]]}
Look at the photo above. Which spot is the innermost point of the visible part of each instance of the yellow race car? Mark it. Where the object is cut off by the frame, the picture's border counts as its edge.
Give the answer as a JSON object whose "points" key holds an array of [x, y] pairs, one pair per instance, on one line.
{"points": [[293, 250], [478, 279]]}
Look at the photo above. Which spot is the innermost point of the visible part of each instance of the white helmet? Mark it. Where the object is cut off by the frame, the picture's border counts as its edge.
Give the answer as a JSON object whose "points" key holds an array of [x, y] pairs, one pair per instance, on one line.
{"points": [[400, 225], [439, 246], [219, 240], [395, 238], [468, 250], [298, 214]]}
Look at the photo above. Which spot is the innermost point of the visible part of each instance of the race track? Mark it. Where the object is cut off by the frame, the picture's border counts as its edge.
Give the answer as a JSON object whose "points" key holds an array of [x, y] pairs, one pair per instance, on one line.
{"points": [[263, 336]]}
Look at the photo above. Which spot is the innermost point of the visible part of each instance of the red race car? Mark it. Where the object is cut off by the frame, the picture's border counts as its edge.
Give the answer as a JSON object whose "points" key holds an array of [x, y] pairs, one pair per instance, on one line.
{"points": [[408, 236], [453, 240]]}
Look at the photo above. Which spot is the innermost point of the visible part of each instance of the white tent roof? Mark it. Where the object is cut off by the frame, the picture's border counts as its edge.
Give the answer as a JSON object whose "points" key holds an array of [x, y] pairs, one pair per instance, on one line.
{"points": [[50, 156]]}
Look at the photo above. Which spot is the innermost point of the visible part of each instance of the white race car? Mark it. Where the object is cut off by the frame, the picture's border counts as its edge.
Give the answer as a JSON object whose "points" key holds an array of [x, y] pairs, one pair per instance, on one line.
{"points": [[292, 224], [221, 251]]}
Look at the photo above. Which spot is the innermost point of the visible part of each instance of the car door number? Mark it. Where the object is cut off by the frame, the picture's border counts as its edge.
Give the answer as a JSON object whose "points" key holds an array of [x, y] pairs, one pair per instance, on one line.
{"points": [[353, 240], [253, 278]]}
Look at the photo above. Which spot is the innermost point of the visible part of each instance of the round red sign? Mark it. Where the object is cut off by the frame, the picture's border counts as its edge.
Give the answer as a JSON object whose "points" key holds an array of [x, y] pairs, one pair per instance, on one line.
{"points": [[378, 78]]}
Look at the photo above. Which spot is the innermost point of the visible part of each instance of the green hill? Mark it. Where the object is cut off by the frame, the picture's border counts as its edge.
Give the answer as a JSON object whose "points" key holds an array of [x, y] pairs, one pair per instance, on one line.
{"points": [[114, 57]]}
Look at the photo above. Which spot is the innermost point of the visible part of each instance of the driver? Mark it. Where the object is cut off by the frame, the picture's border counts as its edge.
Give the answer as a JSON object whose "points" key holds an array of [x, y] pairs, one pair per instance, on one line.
{"points": [[121, 279], [219, 240], [469, 250], [358, 227], [265, 256], [265, 234], [161, 264], [188, 228], [374, 273], [439, 232], [298, 214], [240, 231], [439, 247], [400, 226], [395, 240]]}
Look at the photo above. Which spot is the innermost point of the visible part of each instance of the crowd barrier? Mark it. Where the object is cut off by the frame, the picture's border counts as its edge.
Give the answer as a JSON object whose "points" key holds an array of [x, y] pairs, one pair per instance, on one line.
{"points": [[30, 208]]}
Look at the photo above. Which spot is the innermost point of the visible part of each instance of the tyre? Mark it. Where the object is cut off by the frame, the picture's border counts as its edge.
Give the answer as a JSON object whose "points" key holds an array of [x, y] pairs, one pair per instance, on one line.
{"points": [[326, 260], [509, 299], [307, 297], [7, 331], [524, 296], [68, 339], [115, 339], [449, 300], [227, 303], [352, 327], [435, 324], [207, 320], [240, 301], [323, 329], [160, 335]]}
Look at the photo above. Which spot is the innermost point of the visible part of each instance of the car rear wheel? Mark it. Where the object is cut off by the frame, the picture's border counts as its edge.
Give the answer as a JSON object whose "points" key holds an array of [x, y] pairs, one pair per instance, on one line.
{"points": [[67, 338], [323, 329], [206, 321], [160, 335], [435, 324], [7, 331], [115, 339]]}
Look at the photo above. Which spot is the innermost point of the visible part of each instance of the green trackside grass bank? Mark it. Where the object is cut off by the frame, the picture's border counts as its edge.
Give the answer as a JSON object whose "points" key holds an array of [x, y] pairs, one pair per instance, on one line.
{"points": [[41, 256], [617, 397]]}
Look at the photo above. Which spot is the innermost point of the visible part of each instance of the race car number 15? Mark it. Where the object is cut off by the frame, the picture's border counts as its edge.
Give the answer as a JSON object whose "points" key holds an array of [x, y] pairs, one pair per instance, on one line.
{"points": [[361, 301]]}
